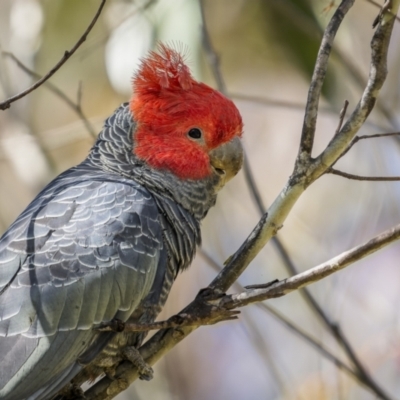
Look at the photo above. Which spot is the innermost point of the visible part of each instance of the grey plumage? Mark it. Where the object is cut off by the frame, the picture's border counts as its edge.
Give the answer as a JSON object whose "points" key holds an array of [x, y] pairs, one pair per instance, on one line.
{"points": [[104, 240]]}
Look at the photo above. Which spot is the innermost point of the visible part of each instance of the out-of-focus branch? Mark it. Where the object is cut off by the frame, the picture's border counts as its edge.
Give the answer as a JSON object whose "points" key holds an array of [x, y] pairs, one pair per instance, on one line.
{"points": [[210, 53], [67, 54], [76, 107]]}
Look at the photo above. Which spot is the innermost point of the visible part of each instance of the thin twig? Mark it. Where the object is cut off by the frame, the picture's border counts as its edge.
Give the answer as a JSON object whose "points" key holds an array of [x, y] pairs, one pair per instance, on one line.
{"points": [[67, 54], [375, 135], [358, 138], [353, 177], [360, 374], [315, 274], [76, 107], [342, 114]]}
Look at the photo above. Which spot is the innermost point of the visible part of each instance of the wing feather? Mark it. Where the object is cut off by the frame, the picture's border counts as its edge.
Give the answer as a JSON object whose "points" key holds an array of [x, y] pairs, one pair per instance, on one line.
{"points": [[78, 256]]}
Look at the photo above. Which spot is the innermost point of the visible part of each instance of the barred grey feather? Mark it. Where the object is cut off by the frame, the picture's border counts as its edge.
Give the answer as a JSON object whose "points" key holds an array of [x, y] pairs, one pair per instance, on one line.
{"points": [[104, 240]]}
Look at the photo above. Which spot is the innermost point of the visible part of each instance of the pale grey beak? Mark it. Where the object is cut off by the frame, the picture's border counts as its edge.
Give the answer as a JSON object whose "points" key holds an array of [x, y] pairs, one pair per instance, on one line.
{"points": [[227, 159]]}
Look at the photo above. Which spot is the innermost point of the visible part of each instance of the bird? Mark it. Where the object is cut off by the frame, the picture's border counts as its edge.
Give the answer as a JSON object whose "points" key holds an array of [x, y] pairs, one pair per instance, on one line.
{"points": [[106, 239]]}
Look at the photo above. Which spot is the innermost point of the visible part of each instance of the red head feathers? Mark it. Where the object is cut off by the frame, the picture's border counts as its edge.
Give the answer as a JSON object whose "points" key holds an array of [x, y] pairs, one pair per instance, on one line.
{"points": [[167, 104]]}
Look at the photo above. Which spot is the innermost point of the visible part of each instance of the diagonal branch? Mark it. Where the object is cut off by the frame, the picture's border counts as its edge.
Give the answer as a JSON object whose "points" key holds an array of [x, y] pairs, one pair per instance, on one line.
{"points": [[356, 139], [210, 53], [164, 340], [353, 177], [67, 54], [315, 274]]}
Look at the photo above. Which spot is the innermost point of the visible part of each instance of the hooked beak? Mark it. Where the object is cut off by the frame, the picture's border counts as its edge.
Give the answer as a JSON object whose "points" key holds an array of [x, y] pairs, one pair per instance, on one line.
{"points": [[227, 159]]}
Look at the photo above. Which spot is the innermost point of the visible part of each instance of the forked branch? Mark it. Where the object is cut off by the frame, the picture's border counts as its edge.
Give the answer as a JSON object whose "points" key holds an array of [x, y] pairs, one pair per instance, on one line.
{"points": [[306, 171]]}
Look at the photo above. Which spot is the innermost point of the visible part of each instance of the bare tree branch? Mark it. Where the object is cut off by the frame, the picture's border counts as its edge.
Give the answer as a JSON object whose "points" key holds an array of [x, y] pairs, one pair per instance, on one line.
{"points": [[67, 54], [211, 54], [306, 171], [342, 114], [334, 171], [374, 136]]}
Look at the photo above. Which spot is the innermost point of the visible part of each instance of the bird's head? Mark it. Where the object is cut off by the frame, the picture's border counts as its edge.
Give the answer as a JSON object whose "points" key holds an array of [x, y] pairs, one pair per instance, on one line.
{"points": [[184, 126]]}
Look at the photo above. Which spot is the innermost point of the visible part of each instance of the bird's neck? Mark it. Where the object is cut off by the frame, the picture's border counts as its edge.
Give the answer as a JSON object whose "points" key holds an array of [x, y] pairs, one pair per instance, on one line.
{"points": [[113, 152]]}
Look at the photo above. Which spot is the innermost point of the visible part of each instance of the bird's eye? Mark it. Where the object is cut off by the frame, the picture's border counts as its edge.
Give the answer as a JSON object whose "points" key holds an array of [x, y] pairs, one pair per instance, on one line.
{"points": [[195, 133]]}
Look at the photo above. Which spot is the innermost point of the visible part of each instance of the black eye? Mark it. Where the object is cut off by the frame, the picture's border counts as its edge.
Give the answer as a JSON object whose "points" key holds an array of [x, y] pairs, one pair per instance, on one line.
{"points": [[195, 133]]}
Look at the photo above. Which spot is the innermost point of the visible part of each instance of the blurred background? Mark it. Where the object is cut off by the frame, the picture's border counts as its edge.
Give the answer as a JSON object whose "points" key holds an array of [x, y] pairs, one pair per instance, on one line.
{"points": [[267, 50]]}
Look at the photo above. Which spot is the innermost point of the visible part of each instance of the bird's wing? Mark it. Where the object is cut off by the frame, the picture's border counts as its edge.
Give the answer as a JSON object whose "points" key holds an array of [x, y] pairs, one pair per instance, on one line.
{"points": [[78, 256]]}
